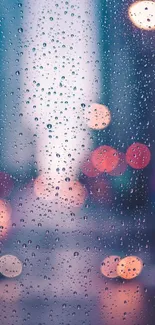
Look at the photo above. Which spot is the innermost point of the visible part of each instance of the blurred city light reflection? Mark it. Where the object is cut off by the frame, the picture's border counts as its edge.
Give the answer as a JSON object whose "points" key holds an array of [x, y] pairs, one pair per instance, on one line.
{"points": [[72, 193], [98, 116], [45, 187], [129, 267], [88, 169], [138, 155], [142, 14], [68, 192], [105, 158], [109, 266], [10, 266]]}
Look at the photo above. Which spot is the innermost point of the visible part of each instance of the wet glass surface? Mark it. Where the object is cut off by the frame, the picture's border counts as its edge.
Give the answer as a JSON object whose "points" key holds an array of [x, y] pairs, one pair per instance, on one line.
{"points": [[77, 176]]}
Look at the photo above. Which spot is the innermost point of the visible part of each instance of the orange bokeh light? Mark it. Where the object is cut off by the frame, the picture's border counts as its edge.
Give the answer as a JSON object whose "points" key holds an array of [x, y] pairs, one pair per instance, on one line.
{"points": [[72, 193], [45, 187], [109, 266], [138, 155], [121, 303], [98, 116], [88, 169], [129, 267], [121, 167], [105, 158], [5, 217]]}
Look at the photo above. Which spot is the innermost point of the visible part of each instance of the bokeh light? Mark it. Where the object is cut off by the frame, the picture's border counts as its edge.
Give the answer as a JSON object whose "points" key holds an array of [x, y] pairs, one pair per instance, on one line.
{"points": [[105, 158], [121, 167], [138, 155], [109, 266], [121, 303], [72, 193], [6, 184], [88, 168], [45, 187], [10, 266], [98, 116], [129, 267], [5, 217], [142, 14]]}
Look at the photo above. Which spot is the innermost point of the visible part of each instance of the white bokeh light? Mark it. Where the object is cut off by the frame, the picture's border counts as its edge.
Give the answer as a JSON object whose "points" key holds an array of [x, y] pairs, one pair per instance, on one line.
{"points": [[142, 14]]}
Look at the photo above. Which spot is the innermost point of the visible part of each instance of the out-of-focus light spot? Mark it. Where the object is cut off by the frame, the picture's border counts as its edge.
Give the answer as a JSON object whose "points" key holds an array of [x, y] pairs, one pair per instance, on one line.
{"points": [[122, 303], [10, 266], [5, 218], [100, 189], [109, 266], [45, 187], [68, 192], [6, 184], [72, 193], [142, 14], [98, 117], [129, 267], [88, 169], [121, 167], [105, 158], [138, 155]]}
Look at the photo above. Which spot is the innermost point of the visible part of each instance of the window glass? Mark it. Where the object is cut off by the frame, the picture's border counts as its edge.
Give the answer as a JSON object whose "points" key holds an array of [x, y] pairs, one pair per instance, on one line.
{"points": [[77, 176]]}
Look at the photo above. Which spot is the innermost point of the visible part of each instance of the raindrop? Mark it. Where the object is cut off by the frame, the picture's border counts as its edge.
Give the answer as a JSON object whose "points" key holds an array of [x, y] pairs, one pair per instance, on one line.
{"points": [[76, 253], [20, 30]]}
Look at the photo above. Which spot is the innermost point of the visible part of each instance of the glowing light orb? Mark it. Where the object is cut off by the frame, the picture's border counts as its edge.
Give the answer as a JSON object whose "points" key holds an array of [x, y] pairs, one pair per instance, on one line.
{"points": [[98, 117], [121, 167], [129, 267], [5, 217], [72, 193], [109, 266], [105, 158], [10, 266], [45, 187], [138, 155], [142, 14], [88, 169]]}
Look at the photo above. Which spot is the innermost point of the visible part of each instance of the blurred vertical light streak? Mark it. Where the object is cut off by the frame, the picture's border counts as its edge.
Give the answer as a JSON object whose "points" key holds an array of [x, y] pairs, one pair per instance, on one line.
{"points": [[60, 71], [59, 78]]}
